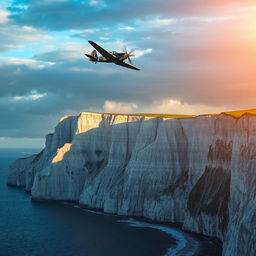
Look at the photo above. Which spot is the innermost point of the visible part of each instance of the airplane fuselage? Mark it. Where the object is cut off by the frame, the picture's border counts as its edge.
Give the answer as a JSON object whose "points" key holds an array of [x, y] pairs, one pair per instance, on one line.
{"points": [[120, 55]]}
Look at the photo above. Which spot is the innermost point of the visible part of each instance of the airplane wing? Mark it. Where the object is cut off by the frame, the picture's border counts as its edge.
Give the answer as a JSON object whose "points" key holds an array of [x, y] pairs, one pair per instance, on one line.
{"points": [[125, 64], [103, 52]]}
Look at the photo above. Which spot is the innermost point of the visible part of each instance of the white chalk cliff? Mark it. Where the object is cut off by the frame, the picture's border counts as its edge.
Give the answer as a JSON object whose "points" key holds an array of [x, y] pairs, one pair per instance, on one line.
{"points": [[199, 171]]}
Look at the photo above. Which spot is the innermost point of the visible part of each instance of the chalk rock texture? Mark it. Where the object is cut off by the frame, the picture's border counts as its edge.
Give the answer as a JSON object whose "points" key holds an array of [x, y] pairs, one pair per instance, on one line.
{"points": [[198, 171]]}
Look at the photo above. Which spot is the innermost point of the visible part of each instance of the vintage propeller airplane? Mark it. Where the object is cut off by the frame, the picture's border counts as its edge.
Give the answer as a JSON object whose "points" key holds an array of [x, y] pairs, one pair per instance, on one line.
{"points": [[111, 57]]}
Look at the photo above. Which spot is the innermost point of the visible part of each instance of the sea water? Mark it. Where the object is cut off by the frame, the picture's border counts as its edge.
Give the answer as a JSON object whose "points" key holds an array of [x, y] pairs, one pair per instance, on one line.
{"points": [[35, 229], [30, 228]]}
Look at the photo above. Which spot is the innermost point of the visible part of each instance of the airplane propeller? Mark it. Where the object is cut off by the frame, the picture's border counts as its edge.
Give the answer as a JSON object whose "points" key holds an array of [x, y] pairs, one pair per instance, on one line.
{"points": [[129, 54]]}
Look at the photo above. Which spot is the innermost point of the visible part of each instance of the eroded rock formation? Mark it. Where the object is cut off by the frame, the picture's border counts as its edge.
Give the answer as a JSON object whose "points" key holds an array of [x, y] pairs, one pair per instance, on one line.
{"points": [[199, 171]]}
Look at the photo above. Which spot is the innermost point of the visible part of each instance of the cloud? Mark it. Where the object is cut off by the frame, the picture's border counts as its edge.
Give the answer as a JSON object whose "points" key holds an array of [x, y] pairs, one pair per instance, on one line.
{"points": [[93, 2], [195, 57], [173, 106], [155, 22], [13, 36], [99, 71], [109, 13], [64, 52], [32, 96], [210, 19], [128, 28], [4, 16], [139, 53], [166, 106], [119, 107], [31, 63]]}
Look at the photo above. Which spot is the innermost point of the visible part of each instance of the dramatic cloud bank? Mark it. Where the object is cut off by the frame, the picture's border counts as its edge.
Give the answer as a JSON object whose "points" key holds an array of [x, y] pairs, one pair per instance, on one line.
{"points": [[195, 57]]}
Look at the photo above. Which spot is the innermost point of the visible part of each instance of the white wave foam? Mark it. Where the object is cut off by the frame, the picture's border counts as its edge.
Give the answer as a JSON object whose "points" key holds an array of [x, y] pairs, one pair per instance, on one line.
{"points": [[186, 245]]}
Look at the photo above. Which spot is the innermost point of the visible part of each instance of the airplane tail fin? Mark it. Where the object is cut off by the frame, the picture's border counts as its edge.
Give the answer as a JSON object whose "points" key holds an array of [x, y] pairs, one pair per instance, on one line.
{"points": [[93, 56]]}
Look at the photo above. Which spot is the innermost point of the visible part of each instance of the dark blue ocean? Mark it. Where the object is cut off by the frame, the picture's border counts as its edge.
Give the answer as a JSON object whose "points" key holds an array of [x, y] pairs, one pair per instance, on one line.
{"points": [[55, 229], [30, 228]]}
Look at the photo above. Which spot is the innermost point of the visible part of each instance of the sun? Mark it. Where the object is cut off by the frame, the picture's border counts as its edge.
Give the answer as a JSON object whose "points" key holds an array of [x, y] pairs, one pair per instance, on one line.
{"points": [[250, 25]]}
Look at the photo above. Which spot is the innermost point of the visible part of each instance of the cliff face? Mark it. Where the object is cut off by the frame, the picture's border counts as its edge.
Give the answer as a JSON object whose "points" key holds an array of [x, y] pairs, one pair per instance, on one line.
{"points": [[199, 171]]}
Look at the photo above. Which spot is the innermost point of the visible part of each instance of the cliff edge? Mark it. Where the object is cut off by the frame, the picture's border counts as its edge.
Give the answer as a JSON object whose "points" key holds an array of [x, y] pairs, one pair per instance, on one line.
{"points": [[197, 170]]}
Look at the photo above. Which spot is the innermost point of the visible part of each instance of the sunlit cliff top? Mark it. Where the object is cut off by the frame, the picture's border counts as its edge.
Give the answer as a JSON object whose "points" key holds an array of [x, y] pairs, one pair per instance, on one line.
{"points": [[235, 114], [239, 113]]}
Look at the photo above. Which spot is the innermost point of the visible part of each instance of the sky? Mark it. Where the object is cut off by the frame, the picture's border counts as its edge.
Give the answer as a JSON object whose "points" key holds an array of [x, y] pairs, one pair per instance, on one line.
{"points": [[195, 57]]}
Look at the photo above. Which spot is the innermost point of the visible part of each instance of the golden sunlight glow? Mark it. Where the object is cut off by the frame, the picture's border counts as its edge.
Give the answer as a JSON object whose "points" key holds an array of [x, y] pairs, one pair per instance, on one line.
{"points": [[248, 25], [252, 27], [61, 152]]}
